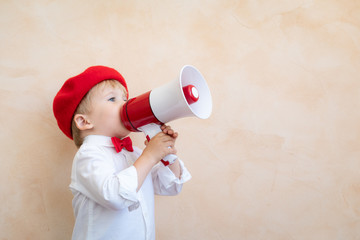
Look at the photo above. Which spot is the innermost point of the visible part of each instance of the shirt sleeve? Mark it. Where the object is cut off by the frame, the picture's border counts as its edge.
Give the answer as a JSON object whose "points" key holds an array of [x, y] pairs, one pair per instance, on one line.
{"points": [[165, 181], [96, 177]]}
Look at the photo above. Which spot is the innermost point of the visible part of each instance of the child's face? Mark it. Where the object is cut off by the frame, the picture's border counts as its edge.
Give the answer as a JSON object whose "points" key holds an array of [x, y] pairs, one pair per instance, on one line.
{"points": [[105, 111]]}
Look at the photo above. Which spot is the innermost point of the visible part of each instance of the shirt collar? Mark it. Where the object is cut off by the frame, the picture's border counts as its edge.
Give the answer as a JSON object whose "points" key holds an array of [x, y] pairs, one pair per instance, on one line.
{"points": [[98, 140]]}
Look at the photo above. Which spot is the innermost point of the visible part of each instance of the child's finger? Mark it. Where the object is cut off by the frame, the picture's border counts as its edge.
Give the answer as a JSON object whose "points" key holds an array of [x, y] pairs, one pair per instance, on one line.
{"points": [[165, 128], [169, 131]]}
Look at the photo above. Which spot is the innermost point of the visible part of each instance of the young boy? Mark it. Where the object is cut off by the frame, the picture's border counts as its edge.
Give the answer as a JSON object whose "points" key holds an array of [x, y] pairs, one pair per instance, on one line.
{"points": [[112, 182]]}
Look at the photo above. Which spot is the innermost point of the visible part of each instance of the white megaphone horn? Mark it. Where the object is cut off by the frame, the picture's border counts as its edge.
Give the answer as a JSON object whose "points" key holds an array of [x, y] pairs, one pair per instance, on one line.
{"points": [[187, 96]]}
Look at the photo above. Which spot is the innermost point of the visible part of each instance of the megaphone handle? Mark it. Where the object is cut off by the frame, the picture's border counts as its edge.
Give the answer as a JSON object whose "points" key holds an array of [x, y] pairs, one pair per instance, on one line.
{"points": [[150, 130]]}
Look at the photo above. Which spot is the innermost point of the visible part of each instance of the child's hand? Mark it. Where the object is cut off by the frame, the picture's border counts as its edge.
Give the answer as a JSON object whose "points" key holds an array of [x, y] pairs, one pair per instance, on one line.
{"points": [[169, 131], [161, 144]]}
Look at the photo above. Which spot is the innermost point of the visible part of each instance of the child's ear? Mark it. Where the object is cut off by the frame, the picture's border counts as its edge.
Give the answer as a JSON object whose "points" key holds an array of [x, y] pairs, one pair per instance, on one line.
{"points": [[82, 122]]}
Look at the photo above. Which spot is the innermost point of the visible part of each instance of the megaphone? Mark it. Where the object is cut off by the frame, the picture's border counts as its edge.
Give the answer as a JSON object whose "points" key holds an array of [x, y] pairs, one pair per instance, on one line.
{"points": [[186, 96]]}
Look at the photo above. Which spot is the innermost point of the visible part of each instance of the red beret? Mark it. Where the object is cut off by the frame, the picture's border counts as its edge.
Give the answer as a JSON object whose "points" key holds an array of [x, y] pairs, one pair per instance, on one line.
{"points": [[73, 91]]}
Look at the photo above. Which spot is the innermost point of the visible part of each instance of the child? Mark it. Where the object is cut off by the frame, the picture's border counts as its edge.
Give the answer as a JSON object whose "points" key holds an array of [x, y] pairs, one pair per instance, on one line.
{"points": [[112, 182]]}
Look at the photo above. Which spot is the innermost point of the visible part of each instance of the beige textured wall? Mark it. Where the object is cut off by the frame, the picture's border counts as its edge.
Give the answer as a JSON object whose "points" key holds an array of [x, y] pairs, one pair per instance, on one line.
{"points": [[278, 159]]}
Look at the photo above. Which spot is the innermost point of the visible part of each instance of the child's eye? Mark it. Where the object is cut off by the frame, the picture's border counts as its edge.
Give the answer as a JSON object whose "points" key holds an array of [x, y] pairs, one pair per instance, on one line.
{"points": [[111, 99], [125, 98]]}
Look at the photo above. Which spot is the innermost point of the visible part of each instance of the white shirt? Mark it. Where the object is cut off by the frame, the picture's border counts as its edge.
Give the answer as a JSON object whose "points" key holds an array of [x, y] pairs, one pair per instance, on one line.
{"points": [[106, 204]]}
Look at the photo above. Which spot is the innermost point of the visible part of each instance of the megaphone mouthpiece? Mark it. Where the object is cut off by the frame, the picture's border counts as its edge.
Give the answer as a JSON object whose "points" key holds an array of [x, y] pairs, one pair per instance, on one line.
{"points": [[137, 112]]}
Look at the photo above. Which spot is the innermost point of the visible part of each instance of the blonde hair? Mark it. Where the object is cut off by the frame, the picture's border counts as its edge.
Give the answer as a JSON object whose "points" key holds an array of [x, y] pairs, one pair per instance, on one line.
{"points": [[85, 107]]}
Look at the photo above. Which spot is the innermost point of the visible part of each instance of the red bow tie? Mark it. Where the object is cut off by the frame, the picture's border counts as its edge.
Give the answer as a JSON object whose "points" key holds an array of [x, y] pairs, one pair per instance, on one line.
{"points": [[119, 144]]}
